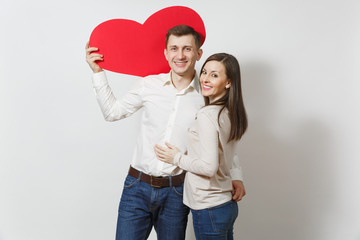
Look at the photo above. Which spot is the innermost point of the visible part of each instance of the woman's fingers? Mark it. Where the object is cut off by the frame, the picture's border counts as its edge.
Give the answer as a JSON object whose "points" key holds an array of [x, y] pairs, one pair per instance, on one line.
{"points": [[169, 145], [159, 153]]}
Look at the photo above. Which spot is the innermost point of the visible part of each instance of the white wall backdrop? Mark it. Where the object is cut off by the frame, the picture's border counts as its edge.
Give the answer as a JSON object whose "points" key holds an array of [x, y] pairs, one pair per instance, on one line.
{"points": [[62, 166]]}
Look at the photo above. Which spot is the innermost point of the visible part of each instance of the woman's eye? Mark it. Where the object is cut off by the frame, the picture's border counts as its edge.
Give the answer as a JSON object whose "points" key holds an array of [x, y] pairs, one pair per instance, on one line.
{"points": [[214, 75]]}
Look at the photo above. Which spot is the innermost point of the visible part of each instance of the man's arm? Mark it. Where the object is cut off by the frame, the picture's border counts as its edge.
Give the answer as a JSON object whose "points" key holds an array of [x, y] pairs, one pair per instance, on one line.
{"points": [[112, 108]]}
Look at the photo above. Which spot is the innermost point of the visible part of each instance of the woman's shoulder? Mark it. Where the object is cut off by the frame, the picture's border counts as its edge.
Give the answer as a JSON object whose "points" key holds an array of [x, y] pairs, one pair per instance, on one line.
{"points": [[213, 110], [210, 112]]}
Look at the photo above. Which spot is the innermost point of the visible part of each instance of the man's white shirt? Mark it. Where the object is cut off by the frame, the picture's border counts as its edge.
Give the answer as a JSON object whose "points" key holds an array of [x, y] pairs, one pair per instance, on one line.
{"points": [[167, 115]]}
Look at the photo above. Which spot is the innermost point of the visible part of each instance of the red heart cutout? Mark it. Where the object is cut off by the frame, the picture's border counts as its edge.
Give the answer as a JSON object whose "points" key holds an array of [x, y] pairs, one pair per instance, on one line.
{"points": [[138, 49]]}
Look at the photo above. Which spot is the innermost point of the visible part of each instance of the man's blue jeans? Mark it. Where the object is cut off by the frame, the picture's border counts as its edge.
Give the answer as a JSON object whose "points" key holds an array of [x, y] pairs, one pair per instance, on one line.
{"points": [[143, 206], [216, 223]]}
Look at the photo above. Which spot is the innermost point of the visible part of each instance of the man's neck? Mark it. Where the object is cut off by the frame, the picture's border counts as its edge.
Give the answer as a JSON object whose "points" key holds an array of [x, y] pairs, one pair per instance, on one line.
{"points": [[181, 82]]}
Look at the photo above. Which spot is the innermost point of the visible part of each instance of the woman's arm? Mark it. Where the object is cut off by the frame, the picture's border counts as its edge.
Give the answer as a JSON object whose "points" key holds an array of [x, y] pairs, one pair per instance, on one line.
{"points": [[207, 162]]}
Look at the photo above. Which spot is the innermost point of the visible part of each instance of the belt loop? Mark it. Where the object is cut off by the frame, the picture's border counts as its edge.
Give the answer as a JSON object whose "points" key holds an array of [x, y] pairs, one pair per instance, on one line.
{"points": [[170, 183], [139, 178]]}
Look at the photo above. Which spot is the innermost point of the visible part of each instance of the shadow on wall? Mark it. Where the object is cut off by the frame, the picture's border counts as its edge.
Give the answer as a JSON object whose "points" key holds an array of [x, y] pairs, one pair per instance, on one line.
{"points": [[287, 163]]}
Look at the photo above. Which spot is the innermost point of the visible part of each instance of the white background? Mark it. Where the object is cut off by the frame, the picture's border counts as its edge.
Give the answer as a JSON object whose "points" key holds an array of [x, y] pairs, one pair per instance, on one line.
{"points": [[62, 166]]}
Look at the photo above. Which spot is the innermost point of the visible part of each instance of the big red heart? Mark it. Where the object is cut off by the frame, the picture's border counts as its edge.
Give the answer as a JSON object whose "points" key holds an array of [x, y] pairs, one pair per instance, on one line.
{"points": [[138, 49]]}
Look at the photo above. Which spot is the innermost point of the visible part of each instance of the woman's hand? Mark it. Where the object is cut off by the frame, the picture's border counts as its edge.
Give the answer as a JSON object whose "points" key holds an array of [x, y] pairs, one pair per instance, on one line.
{"points": [[166, 154], [238, 191]]}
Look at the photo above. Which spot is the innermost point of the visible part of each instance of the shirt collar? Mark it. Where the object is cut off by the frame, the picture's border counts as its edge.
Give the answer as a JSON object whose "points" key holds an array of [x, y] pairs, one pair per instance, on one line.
{"points": [[195, 84]]}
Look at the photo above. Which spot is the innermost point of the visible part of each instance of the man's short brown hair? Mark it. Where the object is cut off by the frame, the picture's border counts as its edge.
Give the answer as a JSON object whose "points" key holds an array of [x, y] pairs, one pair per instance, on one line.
{"points": [[182, 30]]}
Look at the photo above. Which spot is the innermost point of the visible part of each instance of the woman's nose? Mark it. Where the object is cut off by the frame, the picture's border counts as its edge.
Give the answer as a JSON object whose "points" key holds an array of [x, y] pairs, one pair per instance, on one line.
{"points": [[206, 78]]}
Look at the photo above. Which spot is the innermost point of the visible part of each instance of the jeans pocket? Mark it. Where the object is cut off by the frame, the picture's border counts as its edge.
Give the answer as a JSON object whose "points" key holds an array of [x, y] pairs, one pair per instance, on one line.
{"points": [[130, 181], [179, 190], [223, 216]]}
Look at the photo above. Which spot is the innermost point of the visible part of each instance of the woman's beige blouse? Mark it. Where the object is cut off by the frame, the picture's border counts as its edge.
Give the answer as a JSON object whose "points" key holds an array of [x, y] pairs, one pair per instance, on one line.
{"points": [[208, 161]]}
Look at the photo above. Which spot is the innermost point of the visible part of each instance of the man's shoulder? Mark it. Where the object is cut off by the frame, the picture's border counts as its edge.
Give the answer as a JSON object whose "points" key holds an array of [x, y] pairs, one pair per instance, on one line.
{"points": [[156, 79]]}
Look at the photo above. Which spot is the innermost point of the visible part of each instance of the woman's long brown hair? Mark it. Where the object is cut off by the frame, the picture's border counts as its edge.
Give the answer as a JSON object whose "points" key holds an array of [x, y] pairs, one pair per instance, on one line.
{"points": [[233, 99]]}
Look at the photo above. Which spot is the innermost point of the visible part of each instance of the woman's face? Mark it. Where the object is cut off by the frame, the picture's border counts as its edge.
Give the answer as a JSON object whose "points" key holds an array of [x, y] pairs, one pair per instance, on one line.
{"points": [[213, 79]]}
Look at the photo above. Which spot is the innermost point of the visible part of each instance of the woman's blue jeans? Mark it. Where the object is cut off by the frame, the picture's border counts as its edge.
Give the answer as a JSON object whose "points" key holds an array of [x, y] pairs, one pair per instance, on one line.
{"points": [[143, 206], [215, 223]]}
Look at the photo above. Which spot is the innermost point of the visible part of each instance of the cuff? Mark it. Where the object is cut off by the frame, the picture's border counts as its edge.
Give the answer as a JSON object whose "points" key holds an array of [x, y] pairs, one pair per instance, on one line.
{"points": [[236, 174], [177, 158], [99, 79]]}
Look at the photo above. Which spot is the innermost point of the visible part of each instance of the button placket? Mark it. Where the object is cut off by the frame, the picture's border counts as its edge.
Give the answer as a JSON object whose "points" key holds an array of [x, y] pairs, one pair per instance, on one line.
{"points": [[169, 126]]}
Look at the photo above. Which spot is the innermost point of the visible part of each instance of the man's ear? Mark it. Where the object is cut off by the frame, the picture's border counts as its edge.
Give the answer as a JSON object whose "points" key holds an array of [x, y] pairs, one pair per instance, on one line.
{"points": [[165, 53], [200, 53]]}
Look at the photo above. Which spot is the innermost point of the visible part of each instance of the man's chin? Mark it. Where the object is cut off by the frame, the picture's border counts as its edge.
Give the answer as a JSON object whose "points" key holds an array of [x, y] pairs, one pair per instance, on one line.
{"points": [[180, 72]]}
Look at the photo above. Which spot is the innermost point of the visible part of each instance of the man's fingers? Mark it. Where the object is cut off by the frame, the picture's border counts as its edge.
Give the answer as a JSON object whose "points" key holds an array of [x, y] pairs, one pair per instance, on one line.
{"points": [[95, 55], [90, 50], [95, 58]]}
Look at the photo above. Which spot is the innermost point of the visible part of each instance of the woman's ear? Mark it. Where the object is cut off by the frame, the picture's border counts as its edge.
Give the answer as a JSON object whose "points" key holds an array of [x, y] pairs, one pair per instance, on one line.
{"points": [[228, 85]]}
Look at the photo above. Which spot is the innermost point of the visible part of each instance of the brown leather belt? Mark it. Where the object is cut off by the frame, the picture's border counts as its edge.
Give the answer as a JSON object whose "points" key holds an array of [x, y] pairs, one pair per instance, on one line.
{"points": [[158, 182]]}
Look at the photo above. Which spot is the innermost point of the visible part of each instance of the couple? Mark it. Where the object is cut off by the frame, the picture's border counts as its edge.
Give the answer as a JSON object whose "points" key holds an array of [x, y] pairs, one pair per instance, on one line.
{"points": [[179, 135]]}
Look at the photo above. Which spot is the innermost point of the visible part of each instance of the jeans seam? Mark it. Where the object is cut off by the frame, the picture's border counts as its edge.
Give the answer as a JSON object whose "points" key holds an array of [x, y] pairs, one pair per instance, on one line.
{"points": [[132, 184], [134, 214], [179, 194], [212, 220]]}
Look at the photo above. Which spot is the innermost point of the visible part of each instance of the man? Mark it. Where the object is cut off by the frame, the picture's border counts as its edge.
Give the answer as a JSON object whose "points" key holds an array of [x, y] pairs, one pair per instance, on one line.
{"points": [[152, 194]]}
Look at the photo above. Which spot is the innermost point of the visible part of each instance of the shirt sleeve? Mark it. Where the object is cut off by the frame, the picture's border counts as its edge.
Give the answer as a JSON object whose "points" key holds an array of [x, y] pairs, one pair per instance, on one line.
{"points": [[236, 170], [112, 108], [208, 162]]}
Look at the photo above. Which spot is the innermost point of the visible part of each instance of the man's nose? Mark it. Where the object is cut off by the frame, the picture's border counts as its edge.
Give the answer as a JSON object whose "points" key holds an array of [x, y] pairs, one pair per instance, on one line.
{"points": [[180, 54]]}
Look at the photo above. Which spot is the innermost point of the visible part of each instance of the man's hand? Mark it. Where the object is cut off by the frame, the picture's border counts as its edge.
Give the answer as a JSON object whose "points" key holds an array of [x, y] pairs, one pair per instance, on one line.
{"points": [[238, 190], [91, 58]]}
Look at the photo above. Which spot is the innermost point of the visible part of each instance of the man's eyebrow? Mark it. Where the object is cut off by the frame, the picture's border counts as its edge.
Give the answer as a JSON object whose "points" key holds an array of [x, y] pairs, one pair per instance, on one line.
{"points": [[186, 46]]}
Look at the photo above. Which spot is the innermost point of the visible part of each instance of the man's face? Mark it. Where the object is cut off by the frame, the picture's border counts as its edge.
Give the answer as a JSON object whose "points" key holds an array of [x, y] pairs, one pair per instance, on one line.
{"points": [[182, 54]]}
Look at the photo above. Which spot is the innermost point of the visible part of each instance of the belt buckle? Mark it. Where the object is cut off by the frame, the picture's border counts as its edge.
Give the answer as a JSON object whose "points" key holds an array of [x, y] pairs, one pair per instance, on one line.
{"points": [[151, 183]]}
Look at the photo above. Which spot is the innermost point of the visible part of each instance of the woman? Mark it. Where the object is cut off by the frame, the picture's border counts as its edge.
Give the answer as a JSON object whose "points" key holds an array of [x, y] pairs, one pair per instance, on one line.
{"points": [[212, 141]]}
